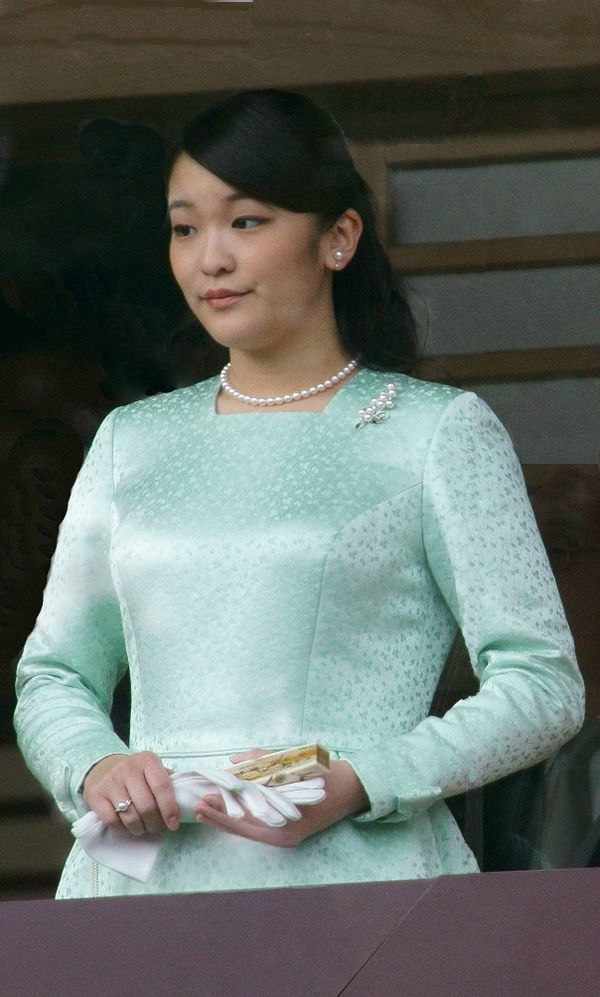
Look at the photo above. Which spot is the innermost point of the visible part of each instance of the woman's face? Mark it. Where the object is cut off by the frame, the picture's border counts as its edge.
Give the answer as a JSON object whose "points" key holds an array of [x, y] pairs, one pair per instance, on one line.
{"points": [[253, 274]]}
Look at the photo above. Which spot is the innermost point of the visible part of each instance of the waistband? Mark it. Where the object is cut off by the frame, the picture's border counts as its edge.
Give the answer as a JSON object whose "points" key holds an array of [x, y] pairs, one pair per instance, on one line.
{"points": [[221, 756]]}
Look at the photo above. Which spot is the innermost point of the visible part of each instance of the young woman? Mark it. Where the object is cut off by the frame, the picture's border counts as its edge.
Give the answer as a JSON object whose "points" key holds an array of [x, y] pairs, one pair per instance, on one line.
{"points": [[282, 555]]}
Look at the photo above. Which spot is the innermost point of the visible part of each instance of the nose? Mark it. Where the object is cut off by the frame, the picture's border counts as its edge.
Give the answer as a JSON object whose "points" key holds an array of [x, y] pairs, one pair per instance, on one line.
{"points": [[214, 256]]}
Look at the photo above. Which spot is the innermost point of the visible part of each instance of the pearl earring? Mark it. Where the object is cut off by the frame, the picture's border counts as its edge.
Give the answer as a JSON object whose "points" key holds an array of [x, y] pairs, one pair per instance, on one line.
{"points": [[338, 257]]}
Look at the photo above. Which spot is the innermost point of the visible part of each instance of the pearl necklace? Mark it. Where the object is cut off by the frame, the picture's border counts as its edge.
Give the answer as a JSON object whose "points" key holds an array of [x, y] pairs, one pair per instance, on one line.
{"points": [[296, 396]]}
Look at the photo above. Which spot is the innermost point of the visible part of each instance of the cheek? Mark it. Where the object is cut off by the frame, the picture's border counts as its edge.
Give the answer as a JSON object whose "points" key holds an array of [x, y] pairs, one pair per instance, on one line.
{"points": [[298, 265], [173, 261], [180, 265]]}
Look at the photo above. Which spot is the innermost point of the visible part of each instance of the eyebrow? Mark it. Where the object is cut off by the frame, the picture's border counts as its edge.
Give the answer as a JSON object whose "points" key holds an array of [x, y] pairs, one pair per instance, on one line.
{"points": [[236, 195]]}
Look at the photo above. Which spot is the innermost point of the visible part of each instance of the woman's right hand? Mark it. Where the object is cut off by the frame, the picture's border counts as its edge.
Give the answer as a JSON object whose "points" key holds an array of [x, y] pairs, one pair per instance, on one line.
{"points": [[141, 778]]}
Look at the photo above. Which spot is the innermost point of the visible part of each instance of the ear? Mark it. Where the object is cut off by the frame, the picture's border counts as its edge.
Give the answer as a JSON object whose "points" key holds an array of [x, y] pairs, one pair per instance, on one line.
{"points": [[341, 239]]}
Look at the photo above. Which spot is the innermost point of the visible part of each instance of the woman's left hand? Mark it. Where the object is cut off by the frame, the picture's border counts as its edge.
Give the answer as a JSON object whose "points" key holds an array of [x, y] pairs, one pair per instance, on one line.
{"points": [[345, 796]]}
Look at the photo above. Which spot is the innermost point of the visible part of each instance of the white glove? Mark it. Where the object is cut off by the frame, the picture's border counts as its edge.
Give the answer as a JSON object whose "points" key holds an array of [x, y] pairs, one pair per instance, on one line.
{"points": [[135, 856]]}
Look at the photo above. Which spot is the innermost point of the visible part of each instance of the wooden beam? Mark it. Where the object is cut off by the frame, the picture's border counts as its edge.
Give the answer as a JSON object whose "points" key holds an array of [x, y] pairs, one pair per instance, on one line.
{"points": [[503, 106], [484, 147], [33, 846], [520, 365], [538, 475], [77, 49], [520, 253]]}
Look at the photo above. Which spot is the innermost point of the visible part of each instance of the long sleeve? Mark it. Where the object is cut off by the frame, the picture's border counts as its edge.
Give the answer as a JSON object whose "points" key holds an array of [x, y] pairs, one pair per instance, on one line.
{"points": [[76, 654], [487, 558]]}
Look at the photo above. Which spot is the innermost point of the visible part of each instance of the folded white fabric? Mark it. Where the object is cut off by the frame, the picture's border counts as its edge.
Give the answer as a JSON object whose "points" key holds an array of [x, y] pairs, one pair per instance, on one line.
{"points": [[133, 856]]}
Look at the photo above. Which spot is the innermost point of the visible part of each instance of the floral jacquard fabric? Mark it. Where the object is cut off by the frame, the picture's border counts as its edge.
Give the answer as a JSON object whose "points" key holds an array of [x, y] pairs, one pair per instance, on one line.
{"points": [[275, 578]]}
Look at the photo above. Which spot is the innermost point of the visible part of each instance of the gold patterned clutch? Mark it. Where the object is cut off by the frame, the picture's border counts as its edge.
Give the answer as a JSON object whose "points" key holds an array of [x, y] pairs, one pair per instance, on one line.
{"points": [[281, 767]]}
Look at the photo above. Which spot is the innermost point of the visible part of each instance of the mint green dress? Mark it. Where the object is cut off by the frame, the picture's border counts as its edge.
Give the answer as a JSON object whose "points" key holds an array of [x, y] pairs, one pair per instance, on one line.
{"points": [[277, 578]]}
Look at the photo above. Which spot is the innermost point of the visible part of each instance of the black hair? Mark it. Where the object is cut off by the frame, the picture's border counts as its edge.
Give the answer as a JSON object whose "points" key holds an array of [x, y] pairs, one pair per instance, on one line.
{"points": [[282, 149]]}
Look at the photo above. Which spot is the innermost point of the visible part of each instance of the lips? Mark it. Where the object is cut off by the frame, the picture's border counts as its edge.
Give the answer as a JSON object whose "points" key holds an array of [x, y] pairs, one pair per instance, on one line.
{"points": [[222, 297], [222, 292]]}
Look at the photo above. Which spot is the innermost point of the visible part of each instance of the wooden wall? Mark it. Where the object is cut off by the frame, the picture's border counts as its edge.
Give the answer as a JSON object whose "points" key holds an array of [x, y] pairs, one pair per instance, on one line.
{"points": [[75, 49]]}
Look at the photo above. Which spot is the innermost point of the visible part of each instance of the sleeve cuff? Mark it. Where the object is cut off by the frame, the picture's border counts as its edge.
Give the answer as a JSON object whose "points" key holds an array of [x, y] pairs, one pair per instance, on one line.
{"points": [[379, 782], [69, 778]]}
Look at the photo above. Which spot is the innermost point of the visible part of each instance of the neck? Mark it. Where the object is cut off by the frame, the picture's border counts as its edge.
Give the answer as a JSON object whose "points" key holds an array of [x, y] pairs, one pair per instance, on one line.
{"points": [[286, 372]]}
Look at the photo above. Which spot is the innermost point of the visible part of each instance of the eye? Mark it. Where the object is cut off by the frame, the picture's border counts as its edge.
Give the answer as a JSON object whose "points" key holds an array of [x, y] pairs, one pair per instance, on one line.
{"points": [[247, 221], [181, 231]]}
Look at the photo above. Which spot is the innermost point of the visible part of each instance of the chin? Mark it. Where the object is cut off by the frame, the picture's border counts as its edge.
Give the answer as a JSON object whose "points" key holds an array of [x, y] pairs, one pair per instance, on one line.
{"points": [[241, 340]]}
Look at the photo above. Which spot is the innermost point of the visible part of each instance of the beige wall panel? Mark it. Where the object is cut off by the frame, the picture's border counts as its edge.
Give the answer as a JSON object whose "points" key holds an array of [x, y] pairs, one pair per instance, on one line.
{"points": [[67, 50]]}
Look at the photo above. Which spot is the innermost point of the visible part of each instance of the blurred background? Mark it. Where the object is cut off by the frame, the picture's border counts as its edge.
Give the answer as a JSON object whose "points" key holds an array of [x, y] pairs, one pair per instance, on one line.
{"points": [[477, 127]]}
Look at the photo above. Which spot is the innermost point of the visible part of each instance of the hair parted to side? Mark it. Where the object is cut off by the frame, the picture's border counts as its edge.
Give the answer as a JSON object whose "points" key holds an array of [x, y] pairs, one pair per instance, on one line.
{"points": [[282, 149]]}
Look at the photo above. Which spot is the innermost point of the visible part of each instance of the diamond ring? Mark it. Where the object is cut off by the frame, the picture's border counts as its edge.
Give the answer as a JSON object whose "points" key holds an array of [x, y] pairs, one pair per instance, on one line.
{"points": [[123, 806]]}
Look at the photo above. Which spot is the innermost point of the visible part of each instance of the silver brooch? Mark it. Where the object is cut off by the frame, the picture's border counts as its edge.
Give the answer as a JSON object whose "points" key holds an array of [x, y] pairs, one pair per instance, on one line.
{"points": [[378, 408]]}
